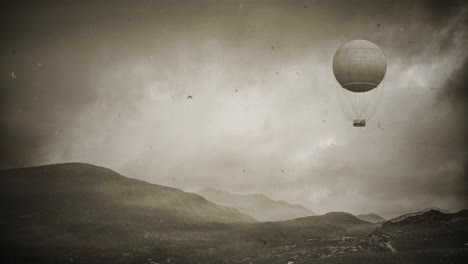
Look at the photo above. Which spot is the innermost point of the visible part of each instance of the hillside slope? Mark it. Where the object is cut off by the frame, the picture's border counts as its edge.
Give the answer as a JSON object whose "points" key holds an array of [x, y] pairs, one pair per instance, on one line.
{"points": [[372, 218], [259, 206], [430, 230], [404, 216], [76, 189], [79, 213]]}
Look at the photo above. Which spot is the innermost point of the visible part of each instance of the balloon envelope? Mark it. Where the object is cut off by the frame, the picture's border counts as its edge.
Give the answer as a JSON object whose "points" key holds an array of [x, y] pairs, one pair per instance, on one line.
{"points": [[359, 65]]}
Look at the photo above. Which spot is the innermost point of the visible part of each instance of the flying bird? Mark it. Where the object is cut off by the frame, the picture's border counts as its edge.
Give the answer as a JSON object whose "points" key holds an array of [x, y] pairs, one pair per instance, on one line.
{"points": [[381, 127]]}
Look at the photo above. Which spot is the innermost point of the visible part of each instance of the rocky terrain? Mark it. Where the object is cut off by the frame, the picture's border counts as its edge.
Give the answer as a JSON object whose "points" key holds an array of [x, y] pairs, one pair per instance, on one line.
{"points": [[79, 213]]}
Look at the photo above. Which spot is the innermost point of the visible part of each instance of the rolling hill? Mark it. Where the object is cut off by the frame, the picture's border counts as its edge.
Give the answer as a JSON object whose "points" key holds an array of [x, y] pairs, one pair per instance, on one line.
{"points": [[432, 230], [404, 216], [258, 206], [372, 218], [83, 213], [80, 213], [78, 190]]}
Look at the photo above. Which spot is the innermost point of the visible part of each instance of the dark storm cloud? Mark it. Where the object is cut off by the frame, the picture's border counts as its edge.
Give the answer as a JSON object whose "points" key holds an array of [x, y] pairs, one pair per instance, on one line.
{"points": [[107, 83], [456, 86], [456, 95]]}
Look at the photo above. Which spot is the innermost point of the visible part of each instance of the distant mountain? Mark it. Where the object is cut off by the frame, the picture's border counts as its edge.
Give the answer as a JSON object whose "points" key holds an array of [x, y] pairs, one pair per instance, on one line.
{"points": [[311, 230], [372, 218], [83, 191], [259, 206], [79, 213], [431, 230], [402, 217], [335, 219], [431, 216]]}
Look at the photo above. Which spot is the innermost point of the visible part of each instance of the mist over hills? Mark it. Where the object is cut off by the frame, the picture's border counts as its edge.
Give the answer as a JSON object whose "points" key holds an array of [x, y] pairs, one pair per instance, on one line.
{"points": [[75, 188], [80, 213], [373, 218], [83, 213], [258, 206]]}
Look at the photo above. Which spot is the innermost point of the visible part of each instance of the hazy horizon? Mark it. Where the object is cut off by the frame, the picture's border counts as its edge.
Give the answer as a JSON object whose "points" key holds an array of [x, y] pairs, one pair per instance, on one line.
{"points": [[240, 96]]}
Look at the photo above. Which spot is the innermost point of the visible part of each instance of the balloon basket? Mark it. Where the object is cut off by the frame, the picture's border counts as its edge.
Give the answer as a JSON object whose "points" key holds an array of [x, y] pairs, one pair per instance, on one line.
{"points": [[359, 123]]}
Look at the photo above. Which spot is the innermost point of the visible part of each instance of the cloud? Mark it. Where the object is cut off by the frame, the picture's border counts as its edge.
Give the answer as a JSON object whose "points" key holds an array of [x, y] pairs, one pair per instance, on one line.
{"points": [[113, 86]]}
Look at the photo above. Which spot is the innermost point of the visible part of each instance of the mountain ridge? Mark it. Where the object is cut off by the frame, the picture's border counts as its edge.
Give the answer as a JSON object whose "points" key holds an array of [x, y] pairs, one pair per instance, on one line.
{"points": [[430, 216], [66, 180], [80, 213], [371, 217], [404, 216], [259, 206]]}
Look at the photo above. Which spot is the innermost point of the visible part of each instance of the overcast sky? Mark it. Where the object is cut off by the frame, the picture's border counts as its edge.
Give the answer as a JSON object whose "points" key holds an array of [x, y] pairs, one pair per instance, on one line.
{"points": [[107, 83]]}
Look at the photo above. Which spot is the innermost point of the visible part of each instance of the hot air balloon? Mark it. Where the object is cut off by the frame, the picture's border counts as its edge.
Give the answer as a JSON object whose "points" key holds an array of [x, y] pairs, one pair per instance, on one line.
{"points": [[359, 67]]}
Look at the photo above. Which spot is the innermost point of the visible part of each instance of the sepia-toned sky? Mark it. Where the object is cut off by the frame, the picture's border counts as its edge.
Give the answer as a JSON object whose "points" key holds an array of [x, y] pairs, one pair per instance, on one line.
{"points": [[107, 83]]}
